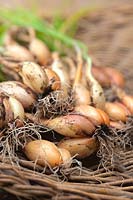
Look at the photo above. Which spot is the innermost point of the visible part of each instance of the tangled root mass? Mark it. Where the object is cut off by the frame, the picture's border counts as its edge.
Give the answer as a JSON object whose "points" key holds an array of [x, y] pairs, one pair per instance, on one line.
{"points": [[54, 104]]}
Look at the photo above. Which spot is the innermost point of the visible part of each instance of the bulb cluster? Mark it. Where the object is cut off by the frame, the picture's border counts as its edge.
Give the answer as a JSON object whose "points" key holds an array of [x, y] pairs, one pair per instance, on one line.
{"points": [[44, 91]]}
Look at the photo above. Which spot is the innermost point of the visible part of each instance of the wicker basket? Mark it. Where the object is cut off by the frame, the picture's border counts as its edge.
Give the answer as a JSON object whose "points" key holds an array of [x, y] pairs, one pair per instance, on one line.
{"points": [[108, 34]]}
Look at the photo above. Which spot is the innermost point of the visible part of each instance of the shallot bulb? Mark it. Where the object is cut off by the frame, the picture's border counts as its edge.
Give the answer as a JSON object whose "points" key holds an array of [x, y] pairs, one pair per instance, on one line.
{"points": [[97, 116], [54, 82], [17, 108], [11, 109], [117, 125], [126, 99], [82, 94], [43, 152], [101, 76], [115, 112], [96, 91], [19, 91], [72, 125], [66, 157], [34, 77], [18, 53], [60, 69], [116, 78], [40, 51], [80, 147]]}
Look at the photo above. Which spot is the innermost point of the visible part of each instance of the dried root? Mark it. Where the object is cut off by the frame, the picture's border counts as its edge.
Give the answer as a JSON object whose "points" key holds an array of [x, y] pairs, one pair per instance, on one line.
{"points": [[112, 143], [14, 139], [55, 104]]}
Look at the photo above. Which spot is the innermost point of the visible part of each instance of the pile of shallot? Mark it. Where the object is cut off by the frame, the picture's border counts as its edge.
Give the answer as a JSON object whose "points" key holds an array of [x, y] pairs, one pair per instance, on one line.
{"points": [[64, 94]]}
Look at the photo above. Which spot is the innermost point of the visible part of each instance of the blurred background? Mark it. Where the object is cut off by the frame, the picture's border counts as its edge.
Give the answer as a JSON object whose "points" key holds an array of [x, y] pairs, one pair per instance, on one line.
{"points": [[62, 6]]}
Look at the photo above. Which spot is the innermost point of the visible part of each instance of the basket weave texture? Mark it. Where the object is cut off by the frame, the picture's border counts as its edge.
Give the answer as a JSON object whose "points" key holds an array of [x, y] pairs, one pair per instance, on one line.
{"points": [[108, 34]]}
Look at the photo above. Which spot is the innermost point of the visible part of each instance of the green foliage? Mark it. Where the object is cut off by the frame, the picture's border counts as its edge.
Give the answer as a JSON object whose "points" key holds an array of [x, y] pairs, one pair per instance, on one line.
{"points": [[47, 32]]}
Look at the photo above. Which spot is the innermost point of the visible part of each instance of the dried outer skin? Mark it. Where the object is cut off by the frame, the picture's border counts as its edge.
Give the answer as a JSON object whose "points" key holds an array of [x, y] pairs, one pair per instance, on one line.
{"points": [[91, 113], [117, 125], [82, 95], [9, 116], [65, 155], [2, 113], [17, 108], [104, 116], [116, 78], [34, 77], [43, 152], [81, 147], [62, 72], [123, 107], [19, 91], [128, 102], [115, 112], [53, 79], [40, 51], [101, 76], [71, 125], [18, 52]]}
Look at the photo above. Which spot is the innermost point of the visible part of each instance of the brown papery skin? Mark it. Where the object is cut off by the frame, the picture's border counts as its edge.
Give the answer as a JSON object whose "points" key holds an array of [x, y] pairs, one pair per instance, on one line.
{"points": [[101, 76], [127, 100], [82, 147], [115, 112], [116, 125], [91, 113], [115, 76], [18, 52], [19, 91], [40, 51], [71, 125], [82, 95], [104, 116], [53, 79], [43, 153], [65, 155], [8, 111], [124, 107]]}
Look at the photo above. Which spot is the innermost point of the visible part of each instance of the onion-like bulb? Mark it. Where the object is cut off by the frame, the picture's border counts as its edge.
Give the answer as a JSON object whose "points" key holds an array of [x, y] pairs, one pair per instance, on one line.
{"points": [[80, 148], [97, 116], [82, 94], [60, 69], [126, 99], [17, 108], [18, 53], [116, 78], [117, 125], [71, 67], [19, 91], [96, 91], [66, 157], [43, 152], [101, 76], [115, 112], [34, 77], [72, 125], [12, 110], [127, 111], [40, 51], [54, 82]]}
